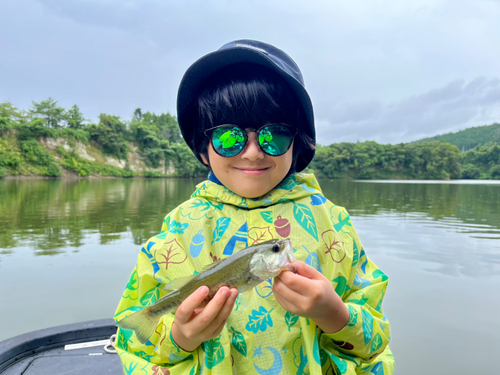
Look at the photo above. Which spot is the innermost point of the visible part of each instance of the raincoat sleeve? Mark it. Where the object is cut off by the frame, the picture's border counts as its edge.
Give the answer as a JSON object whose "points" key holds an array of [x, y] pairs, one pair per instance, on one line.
{"points": [[145, 287], [367, 333]]}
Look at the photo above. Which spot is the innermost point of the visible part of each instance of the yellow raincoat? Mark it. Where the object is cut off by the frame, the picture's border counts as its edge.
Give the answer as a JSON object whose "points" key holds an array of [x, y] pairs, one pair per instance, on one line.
{"points": [[263, 338]]}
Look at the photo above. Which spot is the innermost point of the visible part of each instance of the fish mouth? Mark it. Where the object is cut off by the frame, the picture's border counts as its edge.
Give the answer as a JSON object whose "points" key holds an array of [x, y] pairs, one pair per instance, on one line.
{"points": [[288, 257]]}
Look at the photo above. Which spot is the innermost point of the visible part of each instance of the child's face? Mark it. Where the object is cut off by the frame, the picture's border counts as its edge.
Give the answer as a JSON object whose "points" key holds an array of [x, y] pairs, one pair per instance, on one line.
{"points": [[251, 173]]}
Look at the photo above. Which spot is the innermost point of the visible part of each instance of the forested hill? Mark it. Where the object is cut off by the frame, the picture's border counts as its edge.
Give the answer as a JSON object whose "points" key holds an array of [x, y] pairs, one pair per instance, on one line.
{"points": [[48, 140], [487, 135]]}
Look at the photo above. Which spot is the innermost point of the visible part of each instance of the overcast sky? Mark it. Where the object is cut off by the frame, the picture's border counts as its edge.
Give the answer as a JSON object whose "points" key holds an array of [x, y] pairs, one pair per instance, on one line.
{"points": [[389, 71]]}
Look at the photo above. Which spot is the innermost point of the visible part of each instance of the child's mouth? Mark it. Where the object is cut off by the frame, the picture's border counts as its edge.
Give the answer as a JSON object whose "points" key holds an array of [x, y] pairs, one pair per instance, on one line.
{"points": [[252, 171]]}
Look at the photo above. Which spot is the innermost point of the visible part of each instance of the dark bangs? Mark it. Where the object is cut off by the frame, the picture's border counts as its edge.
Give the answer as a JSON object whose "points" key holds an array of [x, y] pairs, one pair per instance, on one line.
{"points": [[249, 96]]}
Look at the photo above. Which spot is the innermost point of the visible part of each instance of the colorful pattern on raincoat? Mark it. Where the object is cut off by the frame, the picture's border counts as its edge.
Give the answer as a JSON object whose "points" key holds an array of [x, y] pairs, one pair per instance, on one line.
{"points": [[264, 338]]}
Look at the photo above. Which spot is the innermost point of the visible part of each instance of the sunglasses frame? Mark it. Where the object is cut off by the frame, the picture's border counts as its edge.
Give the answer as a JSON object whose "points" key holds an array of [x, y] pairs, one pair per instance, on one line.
{"points": [[293, 131]]}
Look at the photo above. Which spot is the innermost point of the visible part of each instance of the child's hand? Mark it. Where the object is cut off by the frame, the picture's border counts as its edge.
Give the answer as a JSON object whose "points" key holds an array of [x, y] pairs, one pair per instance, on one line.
{"points": [[310, 294], [194, 324]]}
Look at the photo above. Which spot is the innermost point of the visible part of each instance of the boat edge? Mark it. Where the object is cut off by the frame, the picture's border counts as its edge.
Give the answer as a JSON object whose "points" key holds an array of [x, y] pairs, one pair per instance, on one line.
{"points": [[20, 347]]}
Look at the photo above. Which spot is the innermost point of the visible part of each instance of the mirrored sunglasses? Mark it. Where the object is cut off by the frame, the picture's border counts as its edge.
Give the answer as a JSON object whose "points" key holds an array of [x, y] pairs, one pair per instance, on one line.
{"points": [[229, 140]]}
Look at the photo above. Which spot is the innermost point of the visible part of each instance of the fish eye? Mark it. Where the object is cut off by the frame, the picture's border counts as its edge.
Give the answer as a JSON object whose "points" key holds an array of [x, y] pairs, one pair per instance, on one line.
{"points": [[276, 248]]}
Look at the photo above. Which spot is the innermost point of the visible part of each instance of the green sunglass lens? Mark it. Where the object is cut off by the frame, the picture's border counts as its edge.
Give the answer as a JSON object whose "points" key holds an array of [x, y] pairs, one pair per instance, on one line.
{"points": [[275, 140], [228, 140]]}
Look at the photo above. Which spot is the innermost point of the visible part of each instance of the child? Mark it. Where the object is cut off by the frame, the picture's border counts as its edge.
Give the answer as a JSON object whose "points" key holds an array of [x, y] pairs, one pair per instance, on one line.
{"points": [[245, 113]]}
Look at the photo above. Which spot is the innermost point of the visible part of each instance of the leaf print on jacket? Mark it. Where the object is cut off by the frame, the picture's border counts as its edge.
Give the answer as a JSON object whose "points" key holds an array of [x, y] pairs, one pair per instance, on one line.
{"points": [[259, 320], [341, 286], [337, 221], [124, 339], [257, 235], [291, 319], [267, 216], [201, 208], [353, 316], [220, 228], [147, 250], [131, 288], [334, 246], [171, 253], [238, 342], [367, 325], [313, 260], [305, 218], [360, 282], [214, 352], [317, 200], [176, 227], [376, 369], [287, 183], [151, 296], [376, 343]]}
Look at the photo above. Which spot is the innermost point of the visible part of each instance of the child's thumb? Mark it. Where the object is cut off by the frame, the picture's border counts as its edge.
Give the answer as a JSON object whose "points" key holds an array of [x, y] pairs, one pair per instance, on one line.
{"points": [[306, 270]]}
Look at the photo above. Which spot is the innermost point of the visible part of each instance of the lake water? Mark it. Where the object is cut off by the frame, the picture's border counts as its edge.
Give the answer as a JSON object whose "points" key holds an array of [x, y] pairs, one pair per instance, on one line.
{"points": [[67, 249]]}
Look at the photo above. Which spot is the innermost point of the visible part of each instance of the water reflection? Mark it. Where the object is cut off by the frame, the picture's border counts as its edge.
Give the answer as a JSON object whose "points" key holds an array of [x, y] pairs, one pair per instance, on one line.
{"points": [[56, 216], [53, 215], [472, 209]]}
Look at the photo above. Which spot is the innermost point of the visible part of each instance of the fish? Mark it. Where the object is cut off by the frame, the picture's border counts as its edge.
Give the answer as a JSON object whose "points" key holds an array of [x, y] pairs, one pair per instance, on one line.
{"points": [[243, 270]]}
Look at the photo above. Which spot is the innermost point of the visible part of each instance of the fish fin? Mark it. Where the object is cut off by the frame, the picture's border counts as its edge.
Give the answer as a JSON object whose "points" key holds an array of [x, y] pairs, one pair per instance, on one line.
{"points": [[245, 299], [142, 323], [179, 282], [211, 265]]}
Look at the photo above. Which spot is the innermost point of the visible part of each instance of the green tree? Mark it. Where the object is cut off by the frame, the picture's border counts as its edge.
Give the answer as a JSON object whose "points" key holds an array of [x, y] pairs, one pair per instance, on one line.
{"points": [[111, 134], [484, 158], [7, 110], [185, 163], [435, 160], [75, 118], [154, 135], [8, 117], [470, 171], [50, 111]]}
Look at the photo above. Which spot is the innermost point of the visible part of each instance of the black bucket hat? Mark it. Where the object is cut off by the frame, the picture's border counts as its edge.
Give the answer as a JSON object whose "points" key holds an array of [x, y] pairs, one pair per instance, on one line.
{"points": [[242, 51]]}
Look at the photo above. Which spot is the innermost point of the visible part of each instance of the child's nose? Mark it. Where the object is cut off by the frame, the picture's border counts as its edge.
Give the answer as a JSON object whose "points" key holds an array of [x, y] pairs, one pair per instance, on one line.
{"points": [[251, 151]]}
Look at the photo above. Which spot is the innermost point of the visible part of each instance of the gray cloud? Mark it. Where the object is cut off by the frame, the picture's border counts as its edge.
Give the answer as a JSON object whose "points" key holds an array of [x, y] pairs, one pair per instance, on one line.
{"points": [[360, 60], [450, 108]]}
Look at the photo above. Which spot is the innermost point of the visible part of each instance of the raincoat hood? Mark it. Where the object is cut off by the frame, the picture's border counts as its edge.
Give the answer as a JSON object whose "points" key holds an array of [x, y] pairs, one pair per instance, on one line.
{"points": [[293, 187]]}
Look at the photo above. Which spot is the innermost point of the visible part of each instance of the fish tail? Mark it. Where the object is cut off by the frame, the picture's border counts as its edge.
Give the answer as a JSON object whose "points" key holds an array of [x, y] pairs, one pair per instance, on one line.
{"points": [[142, 323]]}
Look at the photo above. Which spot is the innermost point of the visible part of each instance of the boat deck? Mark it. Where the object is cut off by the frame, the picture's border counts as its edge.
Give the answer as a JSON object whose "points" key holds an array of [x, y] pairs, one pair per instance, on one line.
{"points": [[42, 352]]}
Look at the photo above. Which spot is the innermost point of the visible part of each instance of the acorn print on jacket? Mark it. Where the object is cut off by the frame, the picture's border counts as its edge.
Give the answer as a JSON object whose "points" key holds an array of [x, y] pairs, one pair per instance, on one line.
{"points": [[282, 227]]}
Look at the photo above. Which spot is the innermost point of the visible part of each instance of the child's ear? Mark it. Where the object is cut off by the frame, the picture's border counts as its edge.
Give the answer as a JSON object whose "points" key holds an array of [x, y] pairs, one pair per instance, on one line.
{"points": [[205, 159]]}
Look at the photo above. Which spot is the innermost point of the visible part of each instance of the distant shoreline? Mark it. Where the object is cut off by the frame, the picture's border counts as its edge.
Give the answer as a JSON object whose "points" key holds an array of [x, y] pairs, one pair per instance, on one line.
{"points": [[74, 177], [456, 182]]}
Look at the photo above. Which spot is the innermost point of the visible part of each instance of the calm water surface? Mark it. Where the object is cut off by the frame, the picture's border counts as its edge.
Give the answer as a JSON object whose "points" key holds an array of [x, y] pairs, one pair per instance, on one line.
{"points": [[67, 249]]}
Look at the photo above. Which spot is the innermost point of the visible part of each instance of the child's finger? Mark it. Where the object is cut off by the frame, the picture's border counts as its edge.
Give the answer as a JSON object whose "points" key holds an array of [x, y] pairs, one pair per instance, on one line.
{"points": [[286, 304], [308, 271], [211, 310], [190, 304], [296, 282], [228, 307], [223, 314], [285, 291]]}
